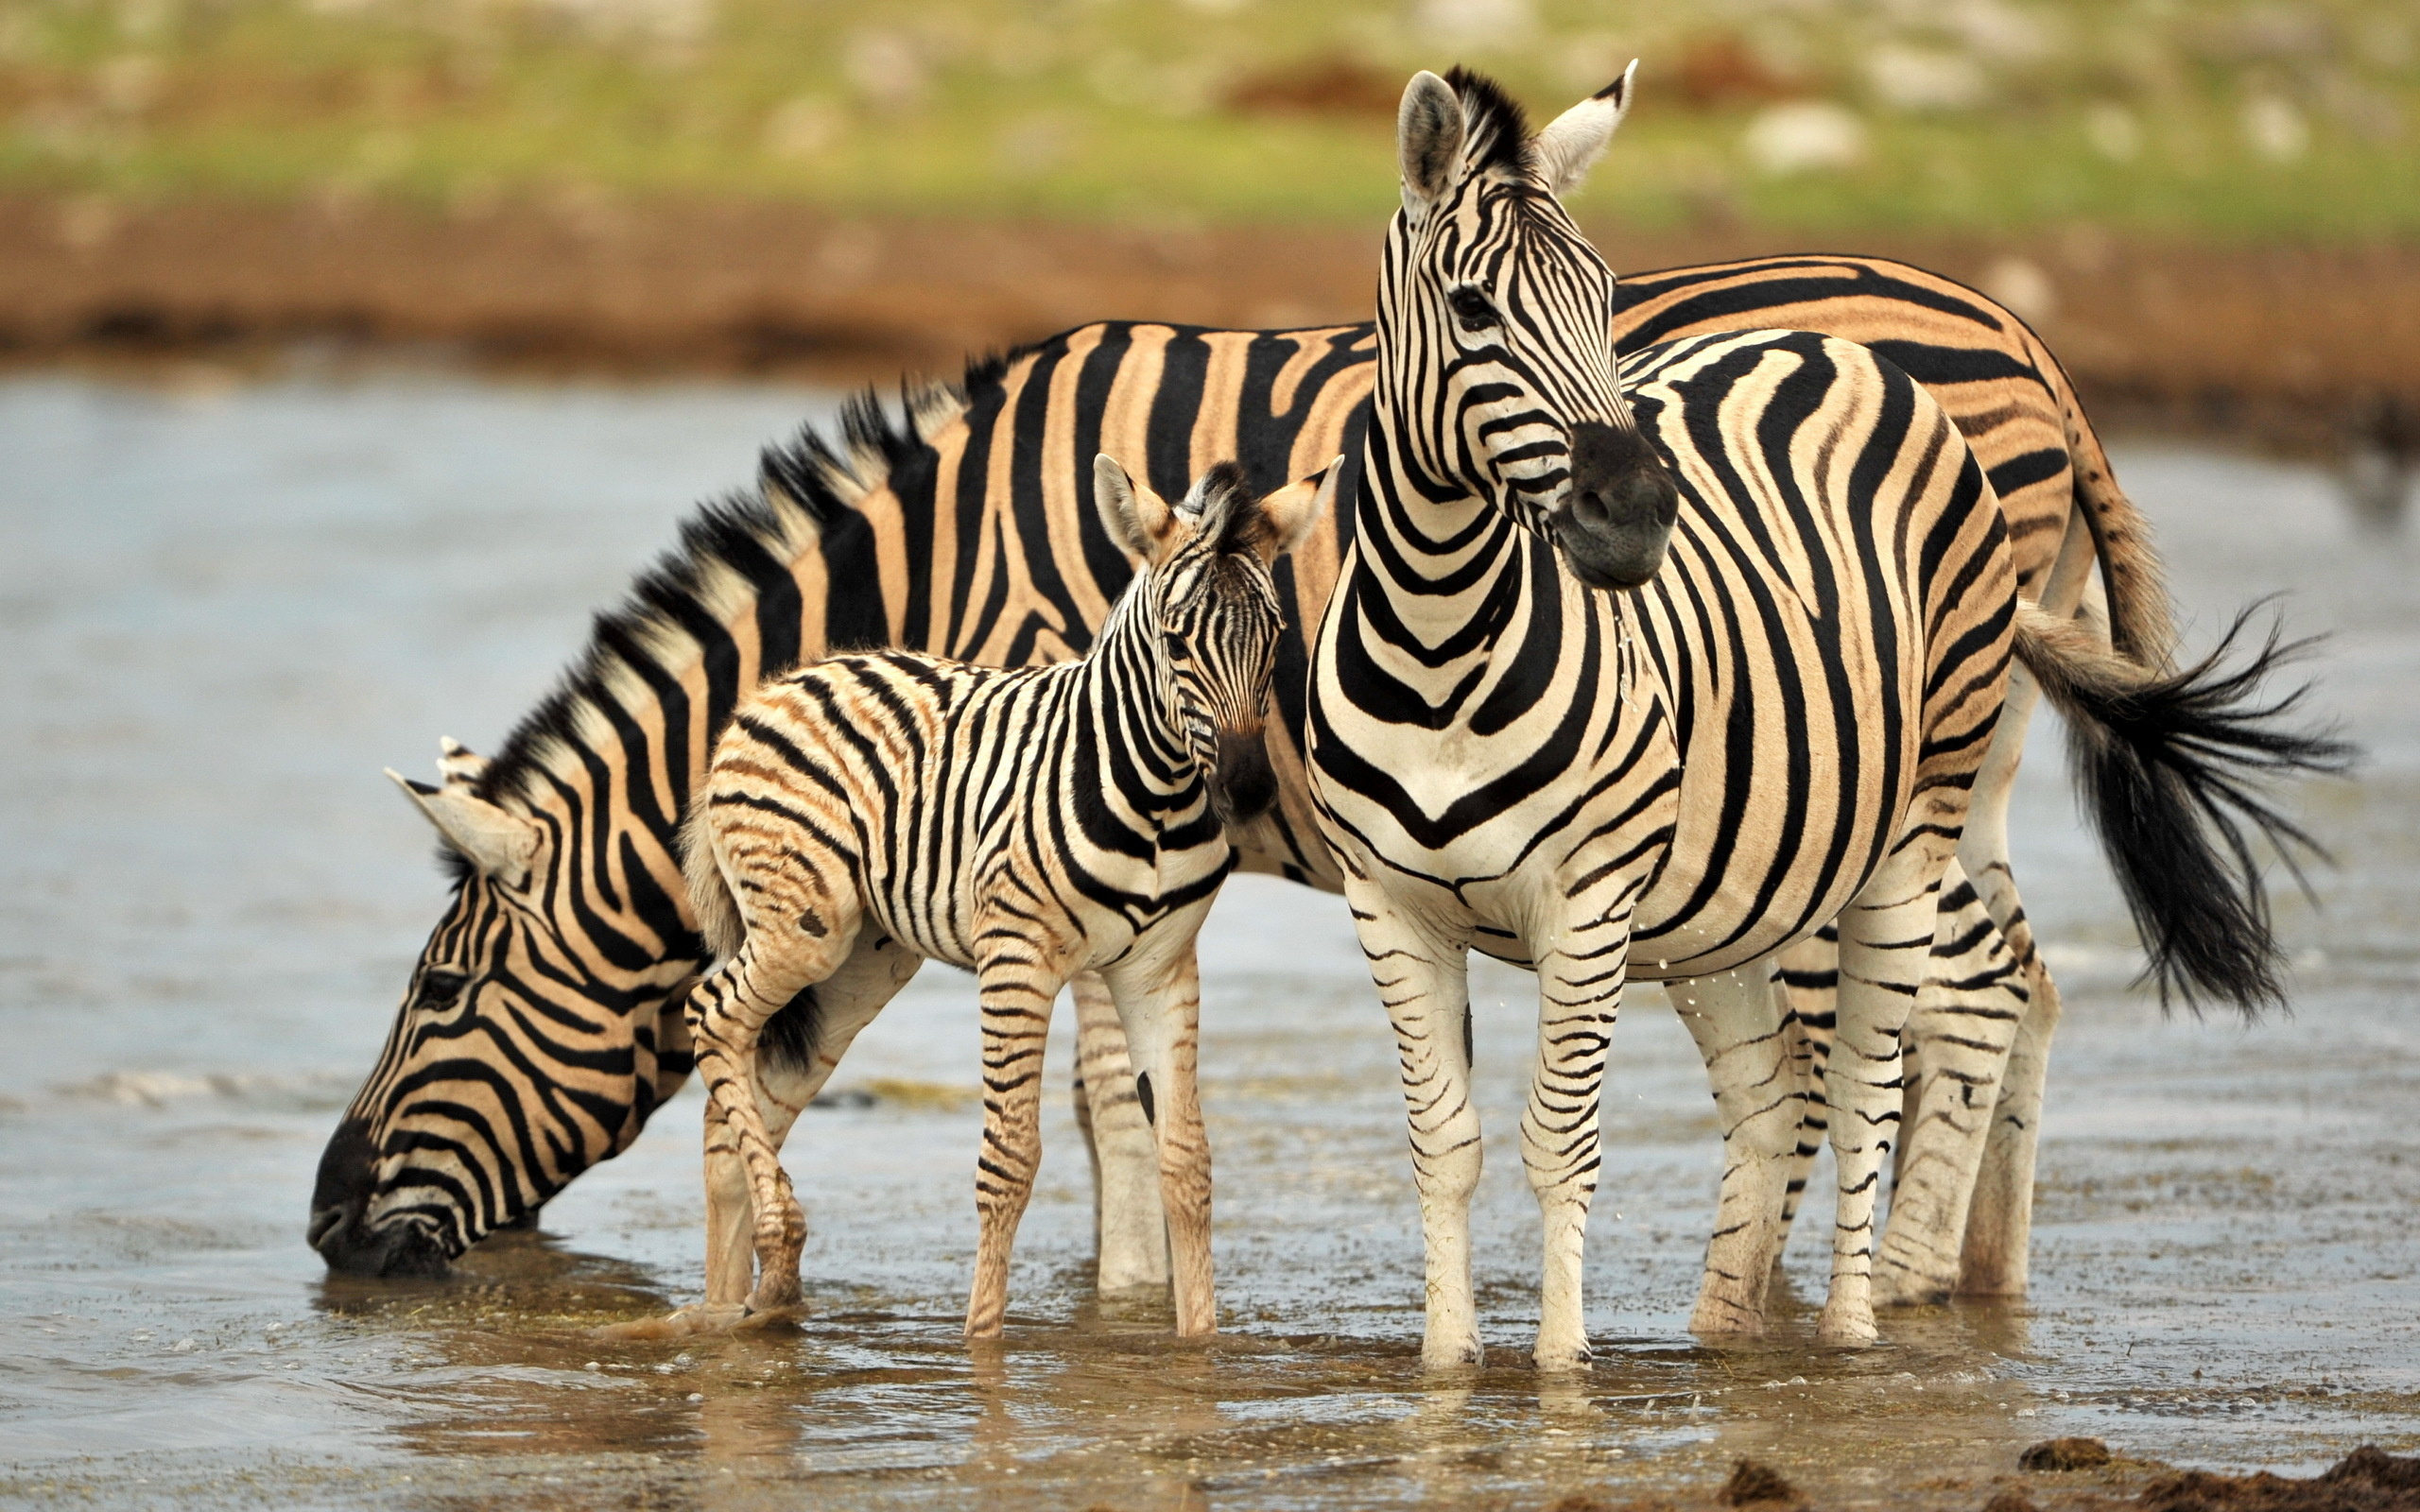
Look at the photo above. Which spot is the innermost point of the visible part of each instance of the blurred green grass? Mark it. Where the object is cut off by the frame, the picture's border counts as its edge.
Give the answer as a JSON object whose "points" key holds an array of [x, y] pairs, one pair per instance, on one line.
{"points": [[2224, 120]]}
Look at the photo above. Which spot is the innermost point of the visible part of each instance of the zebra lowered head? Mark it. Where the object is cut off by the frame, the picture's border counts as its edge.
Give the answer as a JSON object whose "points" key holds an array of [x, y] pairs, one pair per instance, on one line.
{"points": [[515, 1066], [1495, 360]]}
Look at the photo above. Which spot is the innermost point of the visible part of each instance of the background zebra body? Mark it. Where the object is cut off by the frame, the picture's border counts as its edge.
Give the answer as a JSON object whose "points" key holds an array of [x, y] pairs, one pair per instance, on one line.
{"points": [[542, 1024], [867, 812]]}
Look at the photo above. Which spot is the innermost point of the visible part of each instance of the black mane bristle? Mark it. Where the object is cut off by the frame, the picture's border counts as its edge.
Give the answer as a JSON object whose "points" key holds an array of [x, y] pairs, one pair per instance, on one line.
{"points": [[1495, 128]]}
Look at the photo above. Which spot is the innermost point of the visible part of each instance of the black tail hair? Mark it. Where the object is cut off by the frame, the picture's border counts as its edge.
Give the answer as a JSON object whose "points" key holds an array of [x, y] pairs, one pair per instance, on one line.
{"points": [[2171, 766]]}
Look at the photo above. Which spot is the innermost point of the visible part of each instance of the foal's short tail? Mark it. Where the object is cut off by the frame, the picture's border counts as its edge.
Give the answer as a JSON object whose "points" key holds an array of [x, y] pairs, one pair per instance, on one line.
{"points": [[710, 897], [2171, 766]]}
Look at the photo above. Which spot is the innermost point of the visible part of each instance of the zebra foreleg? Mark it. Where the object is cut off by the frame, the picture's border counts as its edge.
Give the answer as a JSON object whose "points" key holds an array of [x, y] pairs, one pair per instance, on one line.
{"points": [[1579, 997], [1426, 988], [1965, 1017], [1160, 1005], [1754, 1060], [1886, 942], [1133, 1245], [1020, 982]]}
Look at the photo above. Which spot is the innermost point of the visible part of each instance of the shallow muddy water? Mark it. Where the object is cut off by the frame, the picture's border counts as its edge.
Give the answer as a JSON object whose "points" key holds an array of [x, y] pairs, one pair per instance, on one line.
{"points": [[223, 610]]}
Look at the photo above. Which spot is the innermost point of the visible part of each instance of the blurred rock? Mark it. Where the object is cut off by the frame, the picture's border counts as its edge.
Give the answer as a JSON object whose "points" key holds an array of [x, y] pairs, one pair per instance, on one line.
{"points": [[1804, 136], [2275, 129], [2114, 132], [2021, 284], [885, 69], [1924, 78], [2064, 1454]]}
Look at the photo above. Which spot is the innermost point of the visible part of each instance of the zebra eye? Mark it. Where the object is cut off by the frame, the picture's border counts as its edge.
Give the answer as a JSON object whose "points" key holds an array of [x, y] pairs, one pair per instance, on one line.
{"points": [[1472, 309], [437, 988], [1175, 641]]}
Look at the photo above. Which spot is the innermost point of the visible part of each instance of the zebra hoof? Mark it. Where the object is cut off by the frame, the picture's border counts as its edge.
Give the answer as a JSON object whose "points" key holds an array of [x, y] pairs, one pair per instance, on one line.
{"points": [[1893, 1287], [1559, 1357], [1451, 1354], [703, 1318], [1847, 1328]]}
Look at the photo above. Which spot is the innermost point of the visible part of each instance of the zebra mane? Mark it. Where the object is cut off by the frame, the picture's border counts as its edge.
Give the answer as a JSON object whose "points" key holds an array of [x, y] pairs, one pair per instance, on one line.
{"points": [[724, 558], [1496, 130]]}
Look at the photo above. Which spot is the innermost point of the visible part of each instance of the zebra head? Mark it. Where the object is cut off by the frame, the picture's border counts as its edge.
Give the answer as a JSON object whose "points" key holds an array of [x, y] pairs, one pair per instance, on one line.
{"points": [[508, 1070], [1205, 582], [1496, 354]]}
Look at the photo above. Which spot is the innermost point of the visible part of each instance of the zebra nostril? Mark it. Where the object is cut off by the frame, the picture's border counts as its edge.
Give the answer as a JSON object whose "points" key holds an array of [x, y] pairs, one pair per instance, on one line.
{"points": [[1588, 508]]}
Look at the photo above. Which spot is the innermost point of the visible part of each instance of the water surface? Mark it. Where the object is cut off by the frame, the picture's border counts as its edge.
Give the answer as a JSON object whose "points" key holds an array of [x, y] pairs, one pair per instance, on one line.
{"points": [[225, 609]]}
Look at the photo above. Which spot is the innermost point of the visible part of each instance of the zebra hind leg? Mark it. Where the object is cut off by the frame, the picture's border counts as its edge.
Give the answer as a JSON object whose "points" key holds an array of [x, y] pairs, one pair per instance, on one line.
{"points": [[1886, 943], [727, 1016], [1133, 1238], [1809, 977], [1965, 1021], [1754, 1060]]}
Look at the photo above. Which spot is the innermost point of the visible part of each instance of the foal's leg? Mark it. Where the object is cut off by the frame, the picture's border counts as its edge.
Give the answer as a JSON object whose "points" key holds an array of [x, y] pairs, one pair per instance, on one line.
{"points": [[1738, 1023], [727, 1016], [1160, 1004], [1134, 1247], [1020, 980], [1809, 976]]}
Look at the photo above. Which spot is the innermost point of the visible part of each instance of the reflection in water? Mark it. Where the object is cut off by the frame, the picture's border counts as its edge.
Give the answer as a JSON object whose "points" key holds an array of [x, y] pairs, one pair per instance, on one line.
{"points": [[224, 619]]}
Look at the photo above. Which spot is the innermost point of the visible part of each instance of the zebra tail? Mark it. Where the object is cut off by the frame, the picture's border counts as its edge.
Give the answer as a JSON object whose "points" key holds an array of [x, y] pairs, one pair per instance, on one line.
{"points": [[710, 897], [2172, 766], [2140, 623]]}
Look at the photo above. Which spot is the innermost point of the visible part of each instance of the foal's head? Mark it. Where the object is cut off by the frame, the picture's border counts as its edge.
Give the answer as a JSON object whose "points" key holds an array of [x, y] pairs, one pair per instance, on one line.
{"points": [[1215, 615]]}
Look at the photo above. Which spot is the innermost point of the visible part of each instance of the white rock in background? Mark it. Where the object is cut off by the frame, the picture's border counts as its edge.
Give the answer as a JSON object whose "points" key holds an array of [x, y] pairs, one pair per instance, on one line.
{"points": [[1804, 135], [1924, 78], [2114, 132], [2022, 285], [802, 126], [2274, 129], [885, 69], [1474, 23]]}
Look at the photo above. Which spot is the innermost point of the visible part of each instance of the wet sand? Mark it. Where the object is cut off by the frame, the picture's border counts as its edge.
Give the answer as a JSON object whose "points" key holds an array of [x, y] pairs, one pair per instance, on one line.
{"points": [[226, 607]]}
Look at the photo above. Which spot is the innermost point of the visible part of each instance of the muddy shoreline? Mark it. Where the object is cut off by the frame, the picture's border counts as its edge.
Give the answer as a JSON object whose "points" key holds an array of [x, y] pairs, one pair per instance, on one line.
{"points": [[2294, 345]]}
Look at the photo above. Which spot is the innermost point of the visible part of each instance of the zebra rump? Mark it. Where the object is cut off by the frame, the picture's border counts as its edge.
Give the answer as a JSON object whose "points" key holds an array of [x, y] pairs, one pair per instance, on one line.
{"points": [[2165, 766]]}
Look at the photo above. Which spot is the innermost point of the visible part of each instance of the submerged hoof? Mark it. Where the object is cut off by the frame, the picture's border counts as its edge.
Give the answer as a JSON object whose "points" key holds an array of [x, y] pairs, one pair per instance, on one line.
{"points": [[702, 1317], [1847, 1328]]}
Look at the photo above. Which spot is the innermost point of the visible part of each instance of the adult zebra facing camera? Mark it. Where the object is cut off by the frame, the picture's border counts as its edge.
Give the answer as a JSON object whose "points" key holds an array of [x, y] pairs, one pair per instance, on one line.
{"points": [[1776, 725]]}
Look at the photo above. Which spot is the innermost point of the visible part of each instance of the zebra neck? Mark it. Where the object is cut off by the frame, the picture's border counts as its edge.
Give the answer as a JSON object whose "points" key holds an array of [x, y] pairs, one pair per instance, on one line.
{"points": [[1138, 754], [1444, 565]]}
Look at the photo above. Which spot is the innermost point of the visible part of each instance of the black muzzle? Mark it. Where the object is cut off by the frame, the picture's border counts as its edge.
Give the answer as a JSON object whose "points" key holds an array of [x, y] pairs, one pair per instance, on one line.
{"points": [[1243, 784], [1618, 520]]}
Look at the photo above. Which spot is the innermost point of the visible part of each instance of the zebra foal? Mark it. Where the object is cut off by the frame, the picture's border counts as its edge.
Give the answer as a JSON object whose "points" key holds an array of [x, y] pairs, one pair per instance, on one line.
{"points": [[865, 812]]}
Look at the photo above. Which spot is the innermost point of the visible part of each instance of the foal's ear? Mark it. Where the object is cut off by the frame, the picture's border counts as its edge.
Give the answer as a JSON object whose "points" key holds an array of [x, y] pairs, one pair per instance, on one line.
{"points": [[1572, 142], [1137, 519], [1290, 515]]}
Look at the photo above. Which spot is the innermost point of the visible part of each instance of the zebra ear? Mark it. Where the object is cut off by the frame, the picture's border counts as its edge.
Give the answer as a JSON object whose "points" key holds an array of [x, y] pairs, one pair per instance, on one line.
{"points": [[1428, 140], [1293, 511], [1573, 142], [501, 845], [1137, 519], [461, 766]]}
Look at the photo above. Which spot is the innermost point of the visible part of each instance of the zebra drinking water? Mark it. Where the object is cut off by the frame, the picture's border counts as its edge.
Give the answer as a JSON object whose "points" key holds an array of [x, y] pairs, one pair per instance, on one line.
{"points": [[542, 1024], [864, 813], [1778, 726]]}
